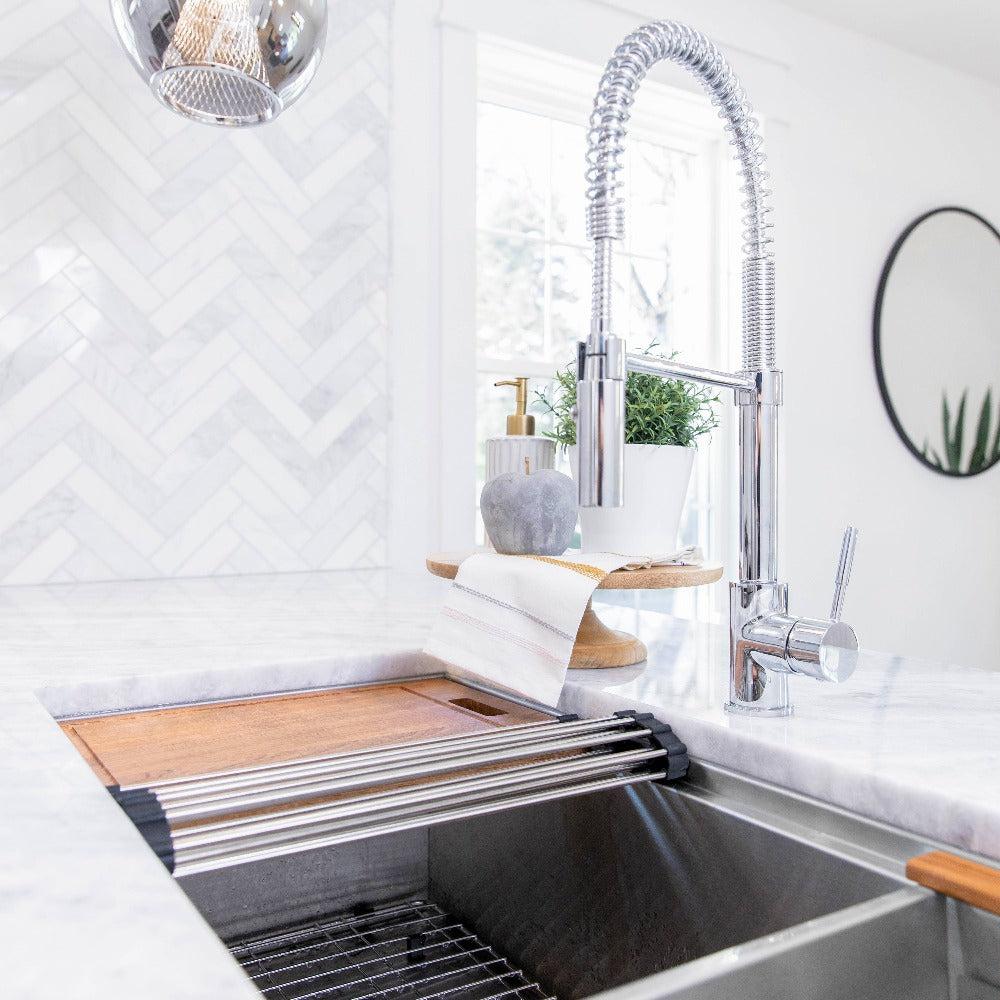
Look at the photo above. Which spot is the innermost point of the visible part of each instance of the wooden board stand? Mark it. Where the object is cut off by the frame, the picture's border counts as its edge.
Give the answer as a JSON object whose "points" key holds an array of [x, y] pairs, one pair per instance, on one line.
{"points": [[598, 646]]}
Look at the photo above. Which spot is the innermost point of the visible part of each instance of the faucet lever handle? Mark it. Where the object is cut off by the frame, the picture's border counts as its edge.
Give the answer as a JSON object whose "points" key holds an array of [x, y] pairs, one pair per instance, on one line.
{"points": [[843, 572]]}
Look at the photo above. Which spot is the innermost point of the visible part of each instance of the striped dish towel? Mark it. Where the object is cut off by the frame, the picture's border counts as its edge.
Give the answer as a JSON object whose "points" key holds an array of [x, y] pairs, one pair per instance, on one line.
{"points": [[512, 620], [690, 555]]}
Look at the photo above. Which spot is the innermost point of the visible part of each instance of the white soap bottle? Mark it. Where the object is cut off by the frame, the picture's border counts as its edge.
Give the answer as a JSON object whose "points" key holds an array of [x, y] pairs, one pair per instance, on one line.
{"points": [[519, 449]]}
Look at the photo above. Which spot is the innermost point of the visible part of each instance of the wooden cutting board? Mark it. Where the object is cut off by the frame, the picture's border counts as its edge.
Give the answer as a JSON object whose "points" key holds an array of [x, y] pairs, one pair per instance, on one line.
{"points": [[138, 748]]}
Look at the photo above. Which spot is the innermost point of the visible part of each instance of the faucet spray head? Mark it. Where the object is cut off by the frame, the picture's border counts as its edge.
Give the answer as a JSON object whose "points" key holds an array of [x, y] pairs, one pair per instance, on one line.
{"points": [[600, 421]]}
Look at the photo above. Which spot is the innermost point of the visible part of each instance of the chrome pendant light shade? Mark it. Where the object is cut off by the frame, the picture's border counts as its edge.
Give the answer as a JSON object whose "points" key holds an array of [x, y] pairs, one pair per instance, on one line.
{"points": [[224, 62]]}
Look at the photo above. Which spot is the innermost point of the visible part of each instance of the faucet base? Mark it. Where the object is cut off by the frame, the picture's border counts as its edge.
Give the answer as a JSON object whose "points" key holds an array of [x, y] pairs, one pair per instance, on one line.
{"points": [[741, 708], [755, 687]]}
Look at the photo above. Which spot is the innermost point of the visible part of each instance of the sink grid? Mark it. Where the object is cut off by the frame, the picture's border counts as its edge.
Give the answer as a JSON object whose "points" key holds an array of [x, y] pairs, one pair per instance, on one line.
{"points": [[404, 950]]}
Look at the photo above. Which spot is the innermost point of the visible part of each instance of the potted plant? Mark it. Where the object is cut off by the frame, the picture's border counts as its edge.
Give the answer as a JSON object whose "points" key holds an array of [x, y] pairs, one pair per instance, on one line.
{"points": [[663, 420]]}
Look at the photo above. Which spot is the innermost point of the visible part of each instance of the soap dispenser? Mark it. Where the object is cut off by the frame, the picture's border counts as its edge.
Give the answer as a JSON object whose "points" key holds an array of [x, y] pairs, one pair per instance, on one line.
{"points": [[520, 450]]}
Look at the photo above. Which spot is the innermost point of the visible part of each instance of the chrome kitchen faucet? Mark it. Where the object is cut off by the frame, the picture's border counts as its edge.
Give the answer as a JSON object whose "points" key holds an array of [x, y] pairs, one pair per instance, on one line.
{"points": [[766, 643]]}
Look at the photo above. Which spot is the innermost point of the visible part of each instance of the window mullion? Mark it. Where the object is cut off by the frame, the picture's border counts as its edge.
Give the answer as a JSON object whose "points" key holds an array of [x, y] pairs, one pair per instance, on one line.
{"points": [[547, 286]]}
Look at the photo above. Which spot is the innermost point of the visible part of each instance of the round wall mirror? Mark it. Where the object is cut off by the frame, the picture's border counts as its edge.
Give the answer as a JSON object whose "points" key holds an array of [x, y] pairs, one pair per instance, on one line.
{"points": [[937, 340]]}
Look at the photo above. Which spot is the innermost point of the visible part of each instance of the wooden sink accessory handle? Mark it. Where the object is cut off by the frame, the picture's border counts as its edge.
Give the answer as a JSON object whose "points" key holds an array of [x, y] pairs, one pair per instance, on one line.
{"points": [[968, 881]]}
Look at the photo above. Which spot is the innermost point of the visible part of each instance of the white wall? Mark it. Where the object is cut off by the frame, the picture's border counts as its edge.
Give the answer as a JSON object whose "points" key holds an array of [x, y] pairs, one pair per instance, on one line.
{"points": [[861, 138], [877, 137]]}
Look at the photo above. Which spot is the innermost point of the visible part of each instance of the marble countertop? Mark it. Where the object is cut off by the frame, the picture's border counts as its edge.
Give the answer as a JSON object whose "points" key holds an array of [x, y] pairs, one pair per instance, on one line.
{"points": [[86, 910]]}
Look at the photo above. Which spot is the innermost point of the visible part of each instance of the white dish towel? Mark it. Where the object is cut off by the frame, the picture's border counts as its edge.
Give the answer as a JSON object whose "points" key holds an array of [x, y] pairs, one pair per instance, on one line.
{"points": [[512, 620]]}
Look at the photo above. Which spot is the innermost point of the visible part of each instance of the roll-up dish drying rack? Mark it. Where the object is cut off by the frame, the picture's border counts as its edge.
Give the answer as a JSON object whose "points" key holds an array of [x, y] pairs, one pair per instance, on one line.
{"points": [[217, 820], [475, 753]]}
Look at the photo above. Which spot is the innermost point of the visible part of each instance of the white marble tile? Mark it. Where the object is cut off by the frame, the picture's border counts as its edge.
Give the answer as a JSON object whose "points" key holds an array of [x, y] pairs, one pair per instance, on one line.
{"points": [[142, 236]]}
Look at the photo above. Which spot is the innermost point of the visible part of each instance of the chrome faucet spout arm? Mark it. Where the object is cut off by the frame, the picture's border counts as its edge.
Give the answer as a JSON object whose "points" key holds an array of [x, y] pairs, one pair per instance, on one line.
{"points": [[689, 373]]}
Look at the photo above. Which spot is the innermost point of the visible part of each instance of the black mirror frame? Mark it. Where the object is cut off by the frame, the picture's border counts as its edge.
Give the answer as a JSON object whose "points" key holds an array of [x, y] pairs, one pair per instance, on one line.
{"points": [[883, 388]]}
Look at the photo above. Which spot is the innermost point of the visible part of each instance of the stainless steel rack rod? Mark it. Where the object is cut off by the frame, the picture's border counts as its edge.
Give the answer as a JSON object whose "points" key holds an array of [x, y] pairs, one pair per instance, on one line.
{"points": [[452, 791], [279, 792], [185, 864], [179, 788], [387, 752]]}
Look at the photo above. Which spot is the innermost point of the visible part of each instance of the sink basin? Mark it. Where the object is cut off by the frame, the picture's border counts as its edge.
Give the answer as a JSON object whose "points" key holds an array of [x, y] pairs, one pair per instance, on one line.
{"points": [[604, 890], [718, 888]]}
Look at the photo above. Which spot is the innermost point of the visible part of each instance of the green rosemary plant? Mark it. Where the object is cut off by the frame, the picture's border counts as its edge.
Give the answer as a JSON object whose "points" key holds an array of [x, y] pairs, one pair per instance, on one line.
{"points": [[657, 411]]}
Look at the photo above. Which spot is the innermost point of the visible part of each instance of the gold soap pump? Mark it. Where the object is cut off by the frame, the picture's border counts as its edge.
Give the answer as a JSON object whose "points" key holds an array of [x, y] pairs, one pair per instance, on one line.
{"points": [[520, 421], [520, 449]]}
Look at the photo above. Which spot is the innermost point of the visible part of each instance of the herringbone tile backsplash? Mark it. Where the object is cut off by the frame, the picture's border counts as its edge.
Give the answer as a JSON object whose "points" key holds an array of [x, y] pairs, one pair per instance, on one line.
{"points": [[192, 321]]}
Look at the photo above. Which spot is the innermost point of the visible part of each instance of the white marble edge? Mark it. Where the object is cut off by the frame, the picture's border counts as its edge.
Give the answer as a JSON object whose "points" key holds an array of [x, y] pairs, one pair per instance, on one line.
{"points": [[142, 693], [88, 911]]}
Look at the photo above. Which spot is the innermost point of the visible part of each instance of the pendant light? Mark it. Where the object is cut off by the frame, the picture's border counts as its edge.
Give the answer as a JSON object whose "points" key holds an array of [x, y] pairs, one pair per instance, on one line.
{"points": [[225, 62]]}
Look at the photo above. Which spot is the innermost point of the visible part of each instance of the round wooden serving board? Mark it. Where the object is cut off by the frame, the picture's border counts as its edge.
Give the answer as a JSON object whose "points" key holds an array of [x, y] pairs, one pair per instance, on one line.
{"points": [[597, 645]]}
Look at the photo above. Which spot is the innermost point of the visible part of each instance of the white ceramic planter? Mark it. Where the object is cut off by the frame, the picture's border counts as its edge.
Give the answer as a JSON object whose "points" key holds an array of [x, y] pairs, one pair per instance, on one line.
{"points": [[656, 485]]}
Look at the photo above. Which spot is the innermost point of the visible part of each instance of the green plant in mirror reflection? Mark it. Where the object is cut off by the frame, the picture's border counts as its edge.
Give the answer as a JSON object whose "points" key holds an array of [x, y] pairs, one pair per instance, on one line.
{"points": [[986, 444], [657, 411]]}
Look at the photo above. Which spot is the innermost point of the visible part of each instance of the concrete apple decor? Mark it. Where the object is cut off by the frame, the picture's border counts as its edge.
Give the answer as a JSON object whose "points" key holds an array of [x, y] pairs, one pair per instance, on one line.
{"points": [[532, 514]]}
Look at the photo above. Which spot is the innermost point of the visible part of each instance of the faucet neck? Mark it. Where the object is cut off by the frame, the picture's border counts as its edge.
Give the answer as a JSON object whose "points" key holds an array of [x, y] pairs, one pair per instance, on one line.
{"points": [[758, 421], [758, 412], [625, 71]]}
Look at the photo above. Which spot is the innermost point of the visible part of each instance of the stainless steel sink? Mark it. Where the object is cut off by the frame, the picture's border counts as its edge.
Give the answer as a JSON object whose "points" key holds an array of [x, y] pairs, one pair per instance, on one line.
{"points": [[632, 884], [718, 888]]}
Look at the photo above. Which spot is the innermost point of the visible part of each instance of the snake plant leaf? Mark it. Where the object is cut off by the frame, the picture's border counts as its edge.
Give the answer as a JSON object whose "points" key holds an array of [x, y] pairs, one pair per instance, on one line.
{"points": [[930, 455], [946, 425], [994, 455], [959, 434], [977, 460], [985, 451], [954, 434]]}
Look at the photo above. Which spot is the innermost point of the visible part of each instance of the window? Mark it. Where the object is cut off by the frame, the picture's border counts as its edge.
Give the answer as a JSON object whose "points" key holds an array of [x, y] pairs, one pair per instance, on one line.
{"points": [[533, 256]]}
